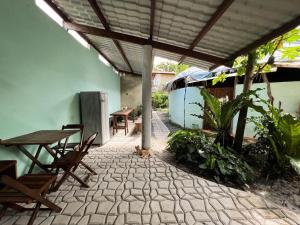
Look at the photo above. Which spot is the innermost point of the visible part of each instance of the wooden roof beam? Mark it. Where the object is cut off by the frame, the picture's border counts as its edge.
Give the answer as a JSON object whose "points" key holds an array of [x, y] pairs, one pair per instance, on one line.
{"points": [[263, 40], [152, 16], [66, 19], [210, 23], [104, 22], [142, 41]]}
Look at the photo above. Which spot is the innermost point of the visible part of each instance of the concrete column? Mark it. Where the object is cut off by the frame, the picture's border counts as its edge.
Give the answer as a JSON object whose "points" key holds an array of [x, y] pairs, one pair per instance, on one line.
{"points": [[146, 97]]}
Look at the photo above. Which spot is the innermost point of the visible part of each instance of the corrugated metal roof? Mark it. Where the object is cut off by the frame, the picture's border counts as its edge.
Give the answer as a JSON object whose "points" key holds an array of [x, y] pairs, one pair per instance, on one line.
{"points": [[179, 22]]}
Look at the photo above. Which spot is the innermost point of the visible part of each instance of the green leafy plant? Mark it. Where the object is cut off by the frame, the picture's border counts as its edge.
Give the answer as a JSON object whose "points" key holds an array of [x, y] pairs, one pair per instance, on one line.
{"points": [[196, 149], [225, 165], [186, 144], [219, 114], [283, 133], [160, 100]]}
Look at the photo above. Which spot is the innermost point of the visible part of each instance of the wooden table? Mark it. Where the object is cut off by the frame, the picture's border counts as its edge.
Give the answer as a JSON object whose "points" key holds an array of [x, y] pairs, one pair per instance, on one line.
{"points": [[43, 139], [124, 114]]}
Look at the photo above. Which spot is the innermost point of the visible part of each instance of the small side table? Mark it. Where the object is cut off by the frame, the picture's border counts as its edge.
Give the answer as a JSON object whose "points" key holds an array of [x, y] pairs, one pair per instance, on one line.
{"points": [[125, 115]]}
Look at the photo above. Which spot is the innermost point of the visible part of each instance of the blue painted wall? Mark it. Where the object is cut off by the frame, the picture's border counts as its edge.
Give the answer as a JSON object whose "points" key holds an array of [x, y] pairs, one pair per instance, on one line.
{"points": [[42, 70]]}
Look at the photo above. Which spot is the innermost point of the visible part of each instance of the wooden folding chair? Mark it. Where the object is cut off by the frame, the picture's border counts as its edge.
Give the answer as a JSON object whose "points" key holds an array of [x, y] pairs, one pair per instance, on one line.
{"points": [[61, 147], [28, 189], [71, 160]]}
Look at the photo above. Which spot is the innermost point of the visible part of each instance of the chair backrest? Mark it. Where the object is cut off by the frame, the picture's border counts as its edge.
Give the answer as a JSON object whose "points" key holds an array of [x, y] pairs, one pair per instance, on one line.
{"points": [[75, 127], [8, 168], [82, 151]]}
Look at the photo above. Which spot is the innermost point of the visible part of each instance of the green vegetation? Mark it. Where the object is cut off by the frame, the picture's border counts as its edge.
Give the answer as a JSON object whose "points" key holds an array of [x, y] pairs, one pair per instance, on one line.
{"points": [[171, 67], [281, 135], [219, 114], [278, 142], [159, 100], [197, 150]]}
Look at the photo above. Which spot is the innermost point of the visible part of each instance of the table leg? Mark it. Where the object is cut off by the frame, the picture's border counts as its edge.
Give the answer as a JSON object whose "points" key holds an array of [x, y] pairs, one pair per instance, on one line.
{"points": [[36, 157], [126, 124], [51, 152], [114, 125], [28, 154]]}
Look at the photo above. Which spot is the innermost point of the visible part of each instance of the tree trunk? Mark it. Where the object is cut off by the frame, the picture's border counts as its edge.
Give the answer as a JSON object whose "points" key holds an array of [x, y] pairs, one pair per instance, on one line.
{"points": [[269, 90], [248, 79]]}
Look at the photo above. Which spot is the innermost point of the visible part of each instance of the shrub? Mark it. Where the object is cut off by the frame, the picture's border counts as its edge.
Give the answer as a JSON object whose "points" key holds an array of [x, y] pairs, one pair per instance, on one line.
{"points": [[222, 163], [159, 100], [186, 144], [219, 114], [282, 132]]}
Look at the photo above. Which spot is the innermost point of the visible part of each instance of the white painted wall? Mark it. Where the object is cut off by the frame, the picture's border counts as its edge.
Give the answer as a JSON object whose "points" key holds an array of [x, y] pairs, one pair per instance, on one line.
{"points": [[286, 92], [176, 107]]}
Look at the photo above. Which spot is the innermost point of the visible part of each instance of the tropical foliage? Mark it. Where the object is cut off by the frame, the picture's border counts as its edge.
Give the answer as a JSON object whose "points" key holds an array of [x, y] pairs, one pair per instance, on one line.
{"points": [[220, 113], [171, 67], [159, 100], [282, 132], [194, 148]]}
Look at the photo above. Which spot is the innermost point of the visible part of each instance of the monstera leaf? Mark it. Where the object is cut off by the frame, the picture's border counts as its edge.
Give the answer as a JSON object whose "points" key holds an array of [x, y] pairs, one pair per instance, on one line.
{"points": [[290, 130], [295, 163]]}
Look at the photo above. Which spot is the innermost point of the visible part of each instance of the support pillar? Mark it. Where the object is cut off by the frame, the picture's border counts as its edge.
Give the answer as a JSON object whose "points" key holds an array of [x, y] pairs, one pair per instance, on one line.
{"points": [[146, 96]]}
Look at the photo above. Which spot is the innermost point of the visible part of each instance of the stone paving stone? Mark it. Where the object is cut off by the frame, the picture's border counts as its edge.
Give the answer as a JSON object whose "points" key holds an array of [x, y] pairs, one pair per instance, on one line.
{"points": [[131, 190], [201, 216], [155, 219], [71, 208], [167, 206], [133, 218], [91, 208], [61, 220], [167, 217], [97, 219]]}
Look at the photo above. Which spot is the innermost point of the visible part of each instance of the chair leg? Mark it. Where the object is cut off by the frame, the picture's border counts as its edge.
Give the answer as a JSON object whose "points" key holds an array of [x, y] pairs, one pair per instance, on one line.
{"points": [[88, 168], [34, 213], [59, 183], [2, 211], [78, 179]]}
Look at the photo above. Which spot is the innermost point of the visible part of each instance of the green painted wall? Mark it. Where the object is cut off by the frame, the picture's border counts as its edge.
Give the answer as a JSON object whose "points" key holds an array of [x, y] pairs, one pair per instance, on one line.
{"points": [[42, 68]]}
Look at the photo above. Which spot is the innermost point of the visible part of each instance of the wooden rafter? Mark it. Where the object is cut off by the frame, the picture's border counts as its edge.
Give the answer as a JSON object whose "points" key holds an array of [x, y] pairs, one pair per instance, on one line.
{"points": [[104, 22], [210, 23], [135, 74], [268, 37], [152, 16], [66, 19], [142, 41]]}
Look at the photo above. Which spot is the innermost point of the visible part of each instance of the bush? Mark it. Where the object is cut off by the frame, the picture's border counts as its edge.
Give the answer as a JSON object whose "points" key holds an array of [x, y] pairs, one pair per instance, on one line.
{"points": [[194, 148], [186, 144], [159, 100], [281, 133]]}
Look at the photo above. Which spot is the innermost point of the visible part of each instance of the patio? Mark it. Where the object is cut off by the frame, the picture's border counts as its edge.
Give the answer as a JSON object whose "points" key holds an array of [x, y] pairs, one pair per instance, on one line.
{"points": [[131, 190], [42, 92]]}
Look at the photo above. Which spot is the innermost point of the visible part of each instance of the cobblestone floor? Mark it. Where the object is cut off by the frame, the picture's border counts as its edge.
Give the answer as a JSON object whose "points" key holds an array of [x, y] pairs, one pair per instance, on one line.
{"points": [[131, 190]]}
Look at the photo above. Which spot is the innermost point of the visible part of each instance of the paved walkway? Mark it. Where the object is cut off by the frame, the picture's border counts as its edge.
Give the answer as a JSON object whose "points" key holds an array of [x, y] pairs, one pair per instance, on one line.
{"points": [[131, 190]]}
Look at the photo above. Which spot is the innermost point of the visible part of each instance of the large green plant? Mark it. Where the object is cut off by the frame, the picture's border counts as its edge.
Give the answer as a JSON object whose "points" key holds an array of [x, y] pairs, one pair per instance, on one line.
{"points": [[283, 133], [225, 165], [194, 148], [186, 144], [219, 114]]}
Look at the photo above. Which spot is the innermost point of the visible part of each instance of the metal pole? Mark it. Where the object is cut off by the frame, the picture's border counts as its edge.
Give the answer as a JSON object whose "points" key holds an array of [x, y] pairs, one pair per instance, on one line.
{"points": [[146, 97]]}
